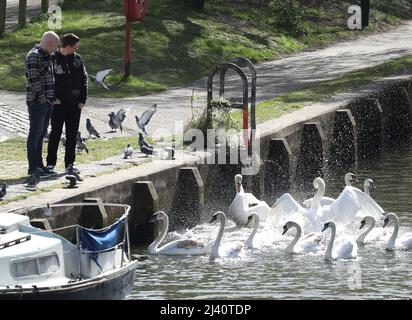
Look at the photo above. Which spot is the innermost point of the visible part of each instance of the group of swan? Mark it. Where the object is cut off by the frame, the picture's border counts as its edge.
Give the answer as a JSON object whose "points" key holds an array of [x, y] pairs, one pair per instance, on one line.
{"points": [[193, 247], [322, 211], [350, 204]]}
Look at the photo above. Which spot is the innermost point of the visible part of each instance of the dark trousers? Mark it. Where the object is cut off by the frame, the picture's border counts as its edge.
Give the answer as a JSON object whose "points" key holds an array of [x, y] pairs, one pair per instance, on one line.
{"points": [[69, 115], [39, 116]]}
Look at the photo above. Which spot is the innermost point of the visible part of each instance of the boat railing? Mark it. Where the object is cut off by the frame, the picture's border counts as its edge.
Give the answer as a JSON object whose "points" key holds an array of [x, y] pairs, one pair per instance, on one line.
{"points": [[124, 244]]}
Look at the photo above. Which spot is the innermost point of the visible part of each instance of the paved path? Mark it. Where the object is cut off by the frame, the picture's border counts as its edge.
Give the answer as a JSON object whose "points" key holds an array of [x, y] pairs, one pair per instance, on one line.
{"points": [[274, 78], [33, 9]]}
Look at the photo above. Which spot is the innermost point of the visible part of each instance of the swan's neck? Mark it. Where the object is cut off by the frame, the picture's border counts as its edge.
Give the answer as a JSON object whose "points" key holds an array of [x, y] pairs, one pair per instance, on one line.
{"points": [[328, 254], [153, 247], [319, 194], [362, 236], [249, 241], [347, 182], [392, 240], [215, 249], [292, 244], [366, 189]]}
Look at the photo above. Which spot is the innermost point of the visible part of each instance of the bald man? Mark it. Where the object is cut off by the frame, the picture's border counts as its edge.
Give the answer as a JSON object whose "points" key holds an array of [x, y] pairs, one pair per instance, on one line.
{"points": [[39, 97]]}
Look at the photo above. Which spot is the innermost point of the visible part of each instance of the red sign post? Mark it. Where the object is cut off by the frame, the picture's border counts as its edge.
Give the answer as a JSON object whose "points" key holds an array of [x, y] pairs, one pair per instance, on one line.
{"points": [[134, 11]]}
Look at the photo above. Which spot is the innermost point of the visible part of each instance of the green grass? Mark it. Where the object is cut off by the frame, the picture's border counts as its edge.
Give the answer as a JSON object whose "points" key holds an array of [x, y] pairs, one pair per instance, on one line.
{"points": [[176, 45]]}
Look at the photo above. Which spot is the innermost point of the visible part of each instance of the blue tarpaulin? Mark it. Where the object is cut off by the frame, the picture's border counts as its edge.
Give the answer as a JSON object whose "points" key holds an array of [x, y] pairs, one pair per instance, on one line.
{"points": [[94, 241]]}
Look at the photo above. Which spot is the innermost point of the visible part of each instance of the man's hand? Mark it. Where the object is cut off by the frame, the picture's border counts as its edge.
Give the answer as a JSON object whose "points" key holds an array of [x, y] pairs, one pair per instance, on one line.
{"points": [[57, 101], [81, 105]]}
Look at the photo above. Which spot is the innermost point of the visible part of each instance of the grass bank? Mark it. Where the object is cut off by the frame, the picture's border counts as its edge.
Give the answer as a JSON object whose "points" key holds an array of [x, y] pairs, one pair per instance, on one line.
{"points": [[177, 44]]}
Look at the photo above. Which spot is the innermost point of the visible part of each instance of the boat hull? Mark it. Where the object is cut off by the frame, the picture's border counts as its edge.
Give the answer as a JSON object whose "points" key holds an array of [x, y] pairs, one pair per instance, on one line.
{"points": [[115, 286]]}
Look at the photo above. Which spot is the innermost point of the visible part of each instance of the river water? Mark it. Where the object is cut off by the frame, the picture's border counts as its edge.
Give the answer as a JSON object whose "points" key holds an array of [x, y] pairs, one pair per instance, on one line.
{"points": [[268, 272]]}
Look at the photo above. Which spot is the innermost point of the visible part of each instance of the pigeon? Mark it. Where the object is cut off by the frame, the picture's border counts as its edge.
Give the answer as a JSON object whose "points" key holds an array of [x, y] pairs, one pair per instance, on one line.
{"points": [[144, 146], [34, 180], [3, 191], [80, 143], [145, 118], [98, 80], [117, 119], [72, 181], [91, 129], [47, 211], [71, 172], [128, 151]]}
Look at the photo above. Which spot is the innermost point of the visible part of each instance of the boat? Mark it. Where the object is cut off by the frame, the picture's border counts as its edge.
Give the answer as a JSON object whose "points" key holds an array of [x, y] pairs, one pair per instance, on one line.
{"points": [[40, 264]]}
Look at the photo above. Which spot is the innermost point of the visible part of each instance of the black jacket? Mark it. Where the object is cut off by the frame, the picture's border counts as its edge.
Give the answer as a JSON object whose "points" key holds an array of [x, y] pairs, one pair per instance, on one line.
{"points": [[71, 78]]}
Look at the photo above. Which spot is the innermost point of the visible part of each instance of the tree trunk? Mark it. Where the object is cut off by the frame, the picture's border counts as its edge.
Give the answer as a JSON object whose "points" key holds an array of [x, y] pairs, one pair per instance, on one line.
{"points": [[22, 13], [44, 6], [2, 16]]}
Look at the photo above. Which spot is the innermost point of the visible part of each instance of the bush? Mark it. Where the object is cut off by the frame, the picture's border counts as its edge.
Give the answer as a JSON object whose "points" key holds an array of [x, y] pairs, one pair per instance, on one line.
{"points": [[289, 15]]}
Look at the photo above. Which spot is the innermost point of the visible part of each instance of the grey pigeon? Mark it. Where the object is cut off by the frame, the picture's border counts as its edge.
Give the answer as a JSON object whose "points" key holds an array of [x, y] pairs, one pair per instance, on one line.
{"points": [[98, 80], [72, 181], [48, 211], [144, 146], [72, 172], [91, 129], [117, 119], [34, 180], [3, 191], [80, 143], [128, 151], [145, 118]]}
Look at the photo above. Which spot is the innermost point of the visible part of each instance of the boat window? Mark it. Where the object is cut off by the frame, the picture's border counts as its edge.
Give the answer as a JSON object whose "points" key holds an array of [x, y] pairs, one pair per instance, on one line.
{"points": [[34, 267], [24, 268], [49, 264]]}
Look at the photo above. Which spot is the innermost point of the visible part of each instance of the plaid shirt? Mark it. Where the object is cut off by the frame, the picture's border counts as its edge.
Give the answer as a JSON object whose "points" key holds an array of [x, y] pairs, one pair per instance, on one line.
{"points": [[40, 76]]}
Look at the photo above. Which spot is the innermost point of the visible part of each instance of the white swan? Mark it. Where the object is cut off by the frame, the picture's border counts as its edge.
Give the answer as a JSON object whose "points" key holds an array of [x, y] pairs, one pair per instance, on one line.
{"points": [[244, 204], [308, 243], [234, 249], [324, 201], [177, 247], [368, 184], [344, 247], [371, 234], [404, 242]]}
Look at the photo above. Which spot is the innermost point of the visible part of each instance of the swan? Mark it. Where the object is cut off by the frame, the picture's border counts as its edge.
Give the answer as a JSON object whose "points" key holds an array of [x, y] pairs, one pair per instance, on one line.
{"points": [[177, 247], [405, 242], [372, 234], [308, 243], [344, 248], [367, 184], [232, 249], [244, 204], [349, 178]]}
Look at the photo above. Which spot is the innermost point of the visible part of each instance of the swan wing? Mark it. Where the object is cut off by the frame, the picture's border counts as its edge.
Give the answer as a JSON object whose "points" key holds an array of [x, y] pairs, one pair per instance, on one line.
{"points": [[261, 208], [350, 204], [324, 201], [231, 249], [286, 208], [345, 247], [310, 242], [184, 247], [251, 199]]}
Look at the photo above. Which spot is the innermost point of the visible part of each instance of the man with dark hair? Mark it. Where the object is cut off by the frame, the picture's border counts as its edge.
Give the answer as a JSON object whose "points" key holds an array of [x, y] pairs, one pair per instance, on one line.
{"points": [[71, 95], [39, 97]]}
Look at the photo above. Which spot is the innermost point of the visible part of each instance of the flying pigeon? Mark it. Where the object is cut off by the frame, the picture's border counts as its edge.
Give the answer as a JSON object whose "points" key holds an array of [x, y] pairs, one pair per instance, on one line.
{"points": [[34, 180], [145, 118], [80, 143], [128, 151], [72, 181], [72, 172], [91, 129], [117, 119], [144, 146], [3, 191], [100, 77]]}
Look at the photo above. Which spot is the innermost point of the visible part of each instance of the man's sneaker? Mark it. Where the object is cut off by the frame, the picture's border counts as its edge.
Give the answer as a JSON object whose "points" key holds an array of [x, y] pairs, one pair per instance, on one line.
{"points": [[49, 170], [72, 168]]}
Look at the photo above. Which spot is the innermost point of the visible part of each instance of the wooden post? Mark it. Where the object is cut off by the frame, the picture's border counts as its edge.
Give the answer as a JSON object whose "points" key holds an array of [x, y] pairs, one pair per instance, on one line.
{"points": [[22, 13], [2, 16], [44, 6]]}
